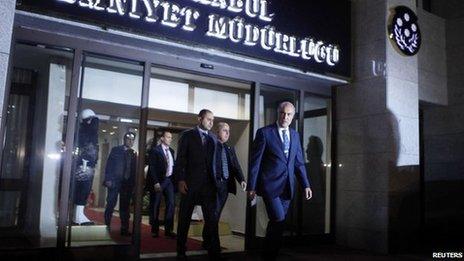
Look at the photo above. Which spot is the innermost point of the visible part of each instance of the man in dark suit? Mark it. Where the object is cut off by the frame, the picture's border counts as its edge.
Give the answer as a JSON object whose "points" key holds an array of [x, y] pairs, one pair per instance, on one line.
{"points": [[228, 171], [196, 176], [120, 179], [276, 158], [159, 182]]}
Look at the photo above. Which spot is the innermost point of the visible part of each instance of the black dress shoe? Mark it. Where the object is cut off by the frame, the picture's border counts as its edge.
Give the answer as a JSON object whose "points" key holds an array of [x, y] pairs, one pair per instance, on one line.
{"points": [[205, 245], [170, 234], [181, 253], [154, 234], [126, 233]]}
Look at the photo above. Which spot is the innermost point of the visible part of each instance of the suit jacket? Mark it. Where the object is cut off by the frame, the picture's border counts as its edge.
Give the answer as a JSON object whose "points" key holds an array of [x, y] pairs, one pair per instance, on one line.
{"points": [[157, 166], [195, 162], [270, 169], [235, 171], [115, 165]]}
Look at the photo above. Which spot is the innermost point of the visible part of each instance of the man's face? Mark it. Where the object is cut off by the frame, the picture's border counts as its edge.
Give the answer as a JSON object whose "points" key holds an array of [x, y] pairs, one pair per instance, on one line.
{"points": [[286, 116], [224, 133], [128, 142], [207, 121], [167, 138]]}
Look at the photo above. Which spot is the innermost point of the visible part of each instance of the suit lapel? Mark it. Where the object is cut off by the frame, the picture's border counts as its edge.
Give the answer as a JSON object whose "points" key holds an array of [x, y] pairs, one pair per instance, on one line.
{"points": [[293, 145], [197, 137], [159, 148]]}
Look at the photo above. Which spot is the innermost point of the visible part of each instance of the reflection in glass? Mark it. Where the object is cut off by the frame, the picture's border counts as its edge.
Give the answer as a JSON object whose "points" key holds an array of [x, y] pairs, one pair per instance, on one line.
{"points": [[317, 142], [31, 164], [106, 142]]}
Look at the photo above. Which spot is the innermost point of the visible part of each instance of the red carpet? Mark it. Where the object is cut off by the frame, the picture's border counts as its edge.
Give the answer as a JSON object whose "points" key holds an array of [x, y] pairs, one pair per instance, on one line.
{"points": [[148, 244]]}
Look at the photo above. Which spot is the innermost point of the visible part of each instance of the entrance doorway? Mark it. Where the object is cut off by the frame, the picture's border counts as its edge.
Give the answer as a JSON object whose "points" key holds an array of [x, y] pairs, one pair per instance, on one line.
{"points": [[175, 98]]}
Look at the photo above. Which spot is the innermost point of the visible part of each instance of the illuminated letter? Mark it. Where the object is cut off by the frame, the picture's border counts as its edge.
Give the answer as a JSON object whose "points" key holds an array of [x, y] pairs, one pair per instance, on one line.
{"points": [[278, 43], [68, 1], [264, 12], [236, 29], [308, 48], [268, 37], [134, 13], [320, 52], [117, 6], [218, 26], [219, 3], [86, 3], [190, 15], [292, 49], [235, 6], [98, 5], [251, 35], [151, 6], [285, 44], [252, 8], [171, 14], [333, 55]]}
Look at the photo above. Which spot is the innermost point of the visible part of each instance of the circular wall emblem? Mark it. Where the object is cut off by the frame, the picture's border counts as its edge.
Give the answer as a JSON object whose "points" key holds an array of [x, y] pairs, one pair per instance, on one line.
{"points": [[404, 31]]}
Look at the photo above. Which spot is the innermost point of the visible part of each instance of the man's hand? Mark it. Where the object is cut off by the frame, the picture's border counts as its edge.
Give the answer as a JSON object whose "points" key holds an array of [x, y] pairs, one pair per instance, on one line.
{"points": [[251, 195], [157, 187], [243, 185], [182, 187], [309, 193]]}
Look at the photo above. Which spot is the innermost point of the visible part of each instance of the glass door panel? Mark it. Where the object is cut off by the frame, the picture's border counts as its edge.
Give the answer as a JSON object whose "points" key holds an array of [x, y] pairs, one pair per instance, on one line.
{"points": [[106, 152], [35, 128], [315, 218]]}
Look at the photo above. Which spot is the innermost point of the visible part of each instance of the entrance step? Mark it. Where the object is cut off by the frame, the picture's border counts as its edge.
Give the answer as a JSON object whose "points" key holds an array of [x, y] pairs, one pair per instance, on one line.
{"points": [[90, 233]]}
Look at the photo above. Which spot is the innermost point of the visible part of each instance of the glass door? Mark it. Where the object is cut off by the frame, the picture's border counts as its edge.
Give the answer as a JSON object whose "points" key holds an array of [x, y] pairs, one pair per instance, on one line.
{"points": [[315, 215], [106, 142], [31, 159]]}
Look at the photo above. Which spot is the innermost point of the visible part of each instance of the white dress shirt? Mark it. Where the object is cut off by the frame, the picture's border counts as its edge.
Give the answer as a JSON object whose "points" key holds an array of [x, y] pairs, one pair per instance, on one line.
{"points": [[168, 155], [287, 132]]}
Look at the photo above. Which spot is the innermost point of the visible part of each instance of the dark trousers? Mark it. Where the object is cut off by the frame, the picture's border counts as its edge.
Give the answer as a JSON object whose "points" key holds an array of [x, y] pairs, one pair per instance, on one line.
{"points": [[276, 209], [125, 196], [222, 195], [81, 191], [167, 188], [206, 196]]}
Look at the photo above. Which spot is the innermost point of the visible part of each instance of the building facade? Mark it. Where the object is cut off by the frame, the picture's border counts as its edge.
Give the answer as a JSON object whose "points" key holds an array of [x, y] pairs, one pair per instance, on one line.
{"points": [[380, 128]]}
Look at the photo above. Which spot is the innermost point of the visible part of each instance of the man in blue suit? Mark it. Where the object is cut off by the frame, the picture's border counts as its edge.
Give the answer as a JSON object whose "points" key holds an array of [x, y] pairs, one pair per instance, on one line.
{"points": [[197, 181], [276, 161], [159, 182], [120, 179]]}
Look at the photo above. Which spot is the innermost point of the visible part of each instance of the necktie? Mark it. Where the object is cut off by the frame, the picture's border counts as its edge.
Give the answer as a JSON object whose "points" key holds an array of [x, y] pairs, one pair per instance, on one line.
{"points": [[286, 143], [225, 167], [127, 167], [203, 138], [168, 163]]}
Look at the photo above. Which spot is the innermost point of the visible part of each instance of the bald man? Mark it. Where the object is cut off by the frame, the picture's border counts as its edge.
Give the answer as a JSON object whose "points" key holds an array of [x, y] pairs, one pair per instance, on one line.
{"points": [[276, 160]]}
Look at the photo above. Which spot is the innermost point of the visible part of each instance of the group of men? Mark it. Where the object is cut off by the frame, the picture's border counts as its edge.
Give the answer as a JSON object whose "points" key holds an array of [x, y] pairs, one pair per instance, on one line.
{"points": [[204, 172]]}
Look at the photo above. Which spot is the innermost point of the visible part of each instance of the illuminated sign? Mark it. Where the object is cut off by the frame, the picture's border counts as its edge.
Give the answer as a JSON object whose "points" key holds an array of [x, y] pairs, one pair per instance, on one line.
{"points": [[404, 31], [260, 28]]}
